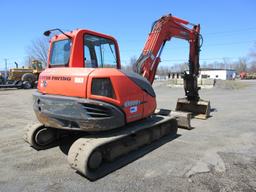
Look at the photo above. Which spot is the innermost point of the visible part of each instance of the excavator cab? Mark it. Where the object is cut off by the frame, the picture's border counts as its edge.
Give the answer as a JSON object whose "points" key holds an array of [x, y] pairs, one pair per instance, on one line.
{"points": [[84, 49]]}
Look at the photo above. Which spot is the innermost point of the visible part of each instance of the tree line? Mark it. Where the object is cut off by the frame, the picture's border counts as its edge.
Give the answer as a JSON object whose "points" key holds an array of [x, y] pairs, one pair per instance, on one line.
{"points": [[242, 64], [38, 50]]}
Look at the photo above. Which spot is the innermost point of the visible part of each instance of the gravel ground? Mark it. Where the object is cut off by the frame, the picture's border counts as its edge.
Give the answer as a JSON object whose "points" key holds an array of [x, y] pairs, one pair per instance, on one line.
{"points": [[218, 155]]}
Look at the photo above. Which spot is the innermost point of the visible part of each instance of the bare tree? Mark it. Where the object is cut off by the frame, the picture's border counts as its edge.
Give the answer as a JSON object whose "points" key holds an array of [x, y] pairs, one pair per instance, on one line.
{"points": [[227, 63], [130, 66], [38, 50], [133, 60], [242, 64], [161, 70], [253, 67], [183, 67], [253, 52], [252, 56], [203, 65], [28, 61]]}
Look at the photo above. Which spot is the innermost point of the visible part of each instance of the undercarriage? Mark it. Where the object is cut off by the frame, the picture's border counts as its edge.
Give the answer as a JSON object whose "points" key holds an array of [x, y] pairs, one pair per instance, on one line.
{"points": [[93, 155]]}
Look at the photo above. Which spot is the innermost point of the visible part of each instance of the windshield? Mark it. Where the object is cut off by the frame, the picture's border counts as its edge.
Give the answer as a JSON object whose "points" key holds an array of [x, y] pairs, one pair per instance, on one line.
{"points": [[99, 52], [60, 52]]}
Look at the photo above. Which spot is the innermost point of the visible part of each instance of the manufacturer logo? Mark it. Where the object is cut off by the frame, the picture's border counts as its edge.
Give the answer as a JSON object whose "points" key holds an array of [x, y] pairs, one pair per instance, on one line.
{"points": [[133, 109], [132, 103]]}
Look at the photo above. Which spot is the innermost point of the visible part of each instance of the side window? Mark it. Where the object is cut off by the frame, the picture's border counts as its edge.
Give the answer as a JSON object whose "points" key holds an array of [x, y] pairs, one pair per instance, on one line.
{"points": [[99, 52], [60, 52], [87, 57]]}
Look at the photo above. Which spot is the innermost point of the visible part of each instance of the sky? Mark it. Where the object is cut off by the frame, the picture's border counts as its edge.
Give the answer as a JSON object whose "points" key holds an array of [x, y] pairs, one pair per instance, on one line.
{"points": [[228, 27]]}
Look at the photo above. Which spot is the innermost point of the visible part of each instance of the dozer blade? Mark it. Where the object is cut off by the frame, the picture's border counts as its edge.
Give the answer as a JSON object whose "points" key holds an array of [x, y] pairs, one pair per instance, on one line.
{"points": [[183, 118], [199, 109]]}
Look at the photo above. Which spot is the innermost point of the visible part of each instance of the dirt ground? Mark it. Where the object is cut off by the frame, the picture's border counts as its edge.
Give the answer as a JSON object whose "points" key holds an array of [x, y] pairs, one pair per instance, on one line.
{"points": [[219, 154]]}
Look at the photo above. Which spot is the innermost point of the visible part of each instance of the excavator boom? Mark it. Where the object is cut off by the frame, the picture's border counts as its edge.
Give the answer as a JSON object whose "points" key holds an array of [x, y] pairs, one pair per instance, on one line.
{"points": [[162, 31]]}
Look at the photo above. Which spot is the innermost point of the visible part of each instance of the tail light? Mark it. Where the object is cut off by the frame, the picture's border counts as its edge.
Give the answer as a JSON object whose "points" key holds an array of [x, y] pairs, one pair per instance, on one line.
{"points": [[102, 87]]}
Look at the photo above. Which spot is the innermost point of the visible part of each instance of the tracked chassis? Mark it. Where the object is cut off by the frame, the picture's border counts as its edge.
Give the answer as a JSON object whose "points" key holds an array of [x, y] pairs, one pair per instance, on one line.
{"points": [[93, 155]]}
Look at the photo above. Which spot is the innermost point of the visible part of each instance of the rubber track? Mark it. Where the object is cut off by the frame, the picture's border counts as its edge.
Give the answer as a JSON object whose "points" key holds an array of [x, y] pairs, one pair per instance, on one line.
{"points": [[82, 148]]}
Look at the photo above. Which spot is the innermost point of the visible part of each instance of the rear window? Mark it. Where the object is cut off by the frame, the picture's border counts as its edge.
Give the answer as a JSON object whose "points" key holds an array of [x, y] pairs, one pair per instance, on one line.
{"points": [[60, 52]]}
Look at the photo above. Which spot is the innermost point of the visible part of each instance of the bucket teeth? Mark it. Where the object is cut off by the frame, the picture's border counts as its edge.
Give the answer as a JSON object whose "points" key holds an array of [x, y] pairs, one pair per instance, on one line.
{"points": [[199, 109]]}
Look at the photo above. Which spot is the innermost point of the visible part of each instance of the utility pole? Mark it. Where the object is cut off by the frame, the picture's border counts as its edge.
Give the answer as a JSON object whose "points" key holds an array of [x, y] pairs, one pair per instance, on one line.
{"points": [[5, 72]]}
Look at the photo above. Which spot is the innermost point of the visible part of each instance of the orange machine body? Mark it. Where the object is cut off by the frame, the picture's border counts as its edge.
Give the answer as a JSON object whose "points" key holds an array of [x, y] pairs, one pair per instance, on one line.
{"points": [[77, 82], [84, 87], [74, 80]]}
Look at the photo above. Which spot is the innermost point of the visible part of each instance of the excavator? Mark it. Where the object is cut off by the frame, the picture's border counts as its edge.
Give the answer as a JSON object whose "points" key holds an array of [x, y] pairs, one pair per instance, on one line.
{"points": [[84, 89]]}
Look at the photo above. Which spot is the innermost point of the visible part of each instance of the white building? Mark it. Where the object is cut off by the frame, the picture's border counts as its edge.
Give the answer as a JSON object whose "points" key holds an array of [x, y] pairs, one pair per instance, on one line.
{"points": [[224, 74]]}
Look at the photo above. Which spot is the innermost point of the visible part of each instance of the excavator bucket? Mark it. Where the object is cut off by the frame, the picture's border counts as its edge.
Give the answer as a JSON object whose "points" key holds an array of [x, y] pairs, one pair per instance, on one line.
{"points": [[199, 109]]}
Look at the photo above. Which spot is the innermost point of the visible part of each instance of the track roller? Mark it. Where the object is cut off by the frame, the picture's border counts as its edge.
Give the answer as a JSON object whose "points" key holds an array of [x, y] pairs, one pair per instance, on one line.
{"points": [[39, 136], [93, 156]]}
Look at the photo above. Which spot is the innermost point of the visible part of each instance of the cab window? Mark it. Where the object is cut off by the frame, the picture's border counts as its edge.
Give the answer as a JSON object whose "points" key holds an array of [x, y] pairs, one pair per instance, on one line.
{"points": [[60, 52], [99, 52]]}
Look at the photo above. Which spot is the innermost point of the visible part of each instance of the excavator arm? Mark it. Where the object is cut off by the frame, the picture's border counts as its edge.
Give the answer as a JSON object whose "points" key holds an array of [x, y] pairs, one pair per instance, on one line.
{"points": [[163, 30]]}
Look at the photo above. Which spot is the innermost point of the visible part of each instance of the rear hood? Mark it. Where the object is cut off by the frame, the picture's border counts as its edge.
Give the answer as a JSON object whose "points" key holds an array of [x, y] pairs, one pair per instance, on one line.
{"points": [[64, 81]]}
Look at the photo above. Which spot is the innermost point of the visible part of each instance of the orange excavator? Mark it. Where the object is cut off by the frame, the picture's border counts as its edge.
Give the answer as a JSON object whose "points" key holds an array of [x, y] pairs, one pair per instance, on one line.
{"points": [[84, 89]]}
